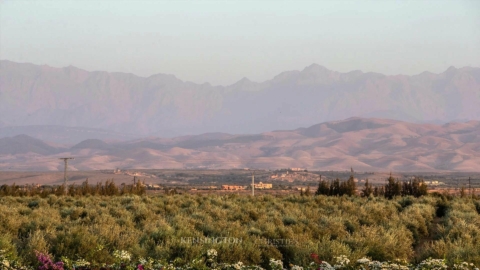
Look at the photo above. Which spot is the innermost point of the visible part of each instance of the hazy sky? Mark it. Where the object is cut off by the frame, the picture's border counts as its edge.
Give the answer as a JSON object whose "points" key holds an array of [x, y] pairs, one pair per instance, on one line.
{"points": [[222, 41]]}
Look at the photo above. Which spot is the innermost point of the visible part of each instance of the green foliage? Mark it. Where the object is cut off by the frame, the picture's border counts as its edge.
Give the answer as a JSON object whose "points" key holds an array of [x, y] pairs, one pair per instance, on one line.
{"points": [[181, 228], [107, 189], [443, 207], [393, 188], [459, 233], [477, 206], [368, 189], [336, 188]]}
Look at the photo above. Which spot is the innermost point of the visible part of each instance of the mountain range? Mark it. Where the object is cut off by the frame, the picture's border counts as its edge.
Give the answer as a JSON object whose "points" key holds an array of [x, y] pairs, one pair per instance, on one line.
{"points": [[366, 144], [40, 100]]}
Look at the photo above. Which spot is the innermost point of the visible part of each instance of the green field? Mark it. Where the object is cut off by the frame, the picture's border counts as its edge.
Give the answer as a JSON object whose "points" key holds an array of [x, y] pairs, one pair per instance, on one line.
{"points": [[179, 229]]}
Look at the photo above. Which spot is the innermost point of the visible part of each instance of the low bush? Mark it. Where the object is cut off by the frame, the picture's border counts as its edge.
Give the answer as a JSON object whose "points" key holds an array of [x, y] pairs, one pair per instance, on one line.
{"points": [[181, 228]]}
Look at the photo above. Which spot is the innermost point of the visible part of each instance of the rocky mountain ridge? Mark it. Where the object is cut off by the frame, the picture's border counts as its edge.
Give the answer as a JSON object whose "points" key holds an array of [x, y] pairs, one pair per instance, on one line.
{"points": [[163, 105]]}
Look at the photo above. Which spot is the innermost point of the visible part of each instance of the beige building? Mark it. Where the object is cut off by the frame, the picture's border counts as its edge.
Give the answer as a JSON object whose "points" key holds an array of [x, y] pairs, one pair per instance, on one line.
{"points": [[229, 187], [263, 186]]}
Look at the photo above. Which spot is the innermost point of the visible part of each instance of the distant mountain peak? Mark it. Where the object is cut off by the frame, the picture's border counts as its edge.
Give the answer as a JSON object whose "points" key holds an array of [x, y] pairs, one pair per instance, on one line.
{"points": [[244, 85], [164, 105], [162, 75], [315, 68], [244, 80], [450, 69]]}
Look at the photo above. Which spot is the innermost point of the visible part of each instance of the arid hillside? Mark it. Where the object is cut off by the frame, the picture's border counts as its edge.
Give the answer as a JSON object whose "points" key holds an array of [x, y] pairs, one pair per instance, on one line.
{"points": [[364, 144]]}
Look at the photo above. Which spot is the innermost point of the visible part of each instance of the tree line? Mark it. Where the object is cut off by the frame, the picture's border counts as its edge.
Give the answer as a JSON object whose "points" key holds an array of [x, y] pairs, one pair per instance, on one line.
{"points": [[415, 187], [101, 189]]}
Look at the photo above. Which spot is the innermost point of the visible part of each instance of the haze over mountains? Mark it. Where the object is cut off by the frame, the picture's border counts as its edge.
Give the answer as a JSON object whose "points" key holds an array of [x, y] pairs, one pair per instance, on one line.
{"points": [[123, 106], [364, 144], [117, 120]]}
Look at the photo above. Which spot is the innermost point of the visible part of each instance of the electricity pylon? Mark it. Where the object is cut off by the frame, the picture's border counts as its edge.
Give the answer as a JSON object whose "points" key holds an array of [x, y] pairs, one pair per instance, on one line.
{"points": [[65, 159]]}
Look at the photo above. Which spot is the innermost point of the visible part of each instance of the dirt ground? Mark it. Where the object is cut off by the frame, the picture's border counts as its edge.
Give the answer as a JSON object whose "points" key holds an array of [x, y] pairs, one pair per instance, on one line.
{"points": [[56, 178]]}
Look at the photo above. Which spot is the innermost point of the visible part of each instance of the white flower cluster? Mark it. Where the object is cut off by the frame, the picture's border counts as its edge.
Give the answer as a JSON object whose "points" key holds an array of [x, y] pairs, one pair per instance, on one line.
{"points": [[169, 267], [464, 266], [122, 255], [432, 264], [276, 264], [211, 253], [341, 261], [150, 263], [363, 261], [326, 266], [99, 247], [6, 264], [376, 265], [238, 265], [81, 263], [296, 267]]}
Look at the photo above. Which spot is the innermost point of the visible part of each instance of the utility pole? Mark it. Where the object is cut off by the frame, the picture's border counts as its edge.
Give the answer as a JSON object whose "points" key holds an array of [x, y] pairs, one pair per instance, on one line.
{"points": [[470, 186], [253, 183], [65, 171]]}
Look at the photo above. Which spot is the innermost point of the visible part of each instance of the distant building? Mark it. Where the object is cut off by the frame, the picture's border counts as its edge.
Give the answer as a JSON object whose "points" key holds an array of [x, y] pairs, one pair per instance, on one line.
{"points": [[263, 186], [153, 186], [230, 187], [297, 169]]}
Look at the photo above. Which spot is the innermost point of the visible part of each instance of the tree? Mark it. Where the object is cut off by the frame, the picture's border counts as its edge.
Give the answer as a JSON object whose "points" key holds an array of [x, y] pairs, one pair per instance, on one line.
{"points": [[335, 187], [393, 188], [307, 191], [463, 192], [422, 189], [368, 189], [323, 188], [351, 187]]}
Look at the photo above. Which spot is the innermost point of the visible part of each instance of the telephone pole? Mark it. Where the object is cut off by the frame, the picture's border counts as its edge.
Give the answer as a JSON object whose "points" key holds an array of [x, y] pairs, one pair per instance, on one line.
{"points": [[253, 183], [470, 186], [65, 159]]}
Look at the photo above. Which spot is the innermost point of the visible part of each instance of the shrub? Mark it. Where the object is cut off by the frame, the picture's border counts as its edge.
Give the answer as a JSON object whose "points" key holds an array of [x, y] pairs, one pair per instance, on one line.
{"points": [[477, 206], [92, 228], [33, 204], [442, 208], [287, 221]]}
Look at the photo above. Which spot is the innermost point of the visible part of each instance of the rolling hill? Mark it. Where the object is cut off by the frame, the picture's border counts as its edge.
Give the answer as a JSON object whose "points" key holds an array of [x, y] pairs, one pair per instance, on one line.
{"points": [[366, 144]]}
